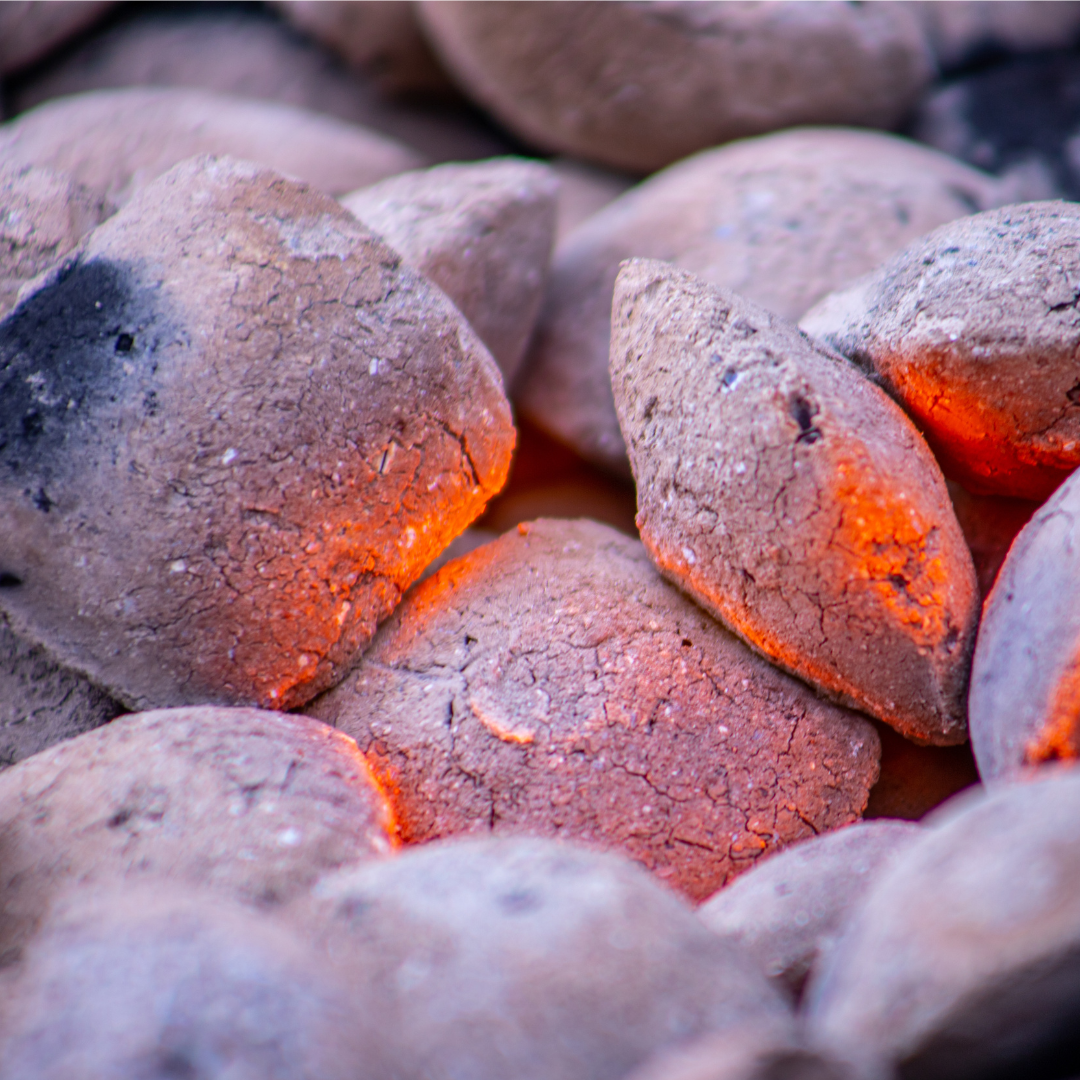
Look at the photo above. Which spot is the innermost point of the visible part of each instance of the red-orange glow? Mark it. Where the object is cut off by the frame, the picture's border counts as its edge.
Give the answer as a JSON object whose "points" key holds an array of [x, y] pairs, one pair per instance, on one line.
{"points": [[884, 562], [319, 595], [384, 779], [1059, 738], [976, 442]]}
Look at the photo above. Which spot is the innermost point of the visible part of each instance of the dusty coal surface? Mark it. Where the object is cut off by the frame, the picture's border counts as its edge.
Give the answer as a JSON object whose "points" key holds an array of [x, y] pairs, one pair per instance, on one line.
{"points": [[66, 353]]}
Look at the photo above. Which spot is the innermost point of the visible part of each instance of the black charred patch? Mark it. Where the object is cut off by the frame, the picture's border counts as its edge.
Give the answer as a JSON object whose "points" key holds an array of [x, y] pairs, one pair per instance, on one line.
{"points": [[1022, 109], [121, 817], [803, 413], [68, 354]]}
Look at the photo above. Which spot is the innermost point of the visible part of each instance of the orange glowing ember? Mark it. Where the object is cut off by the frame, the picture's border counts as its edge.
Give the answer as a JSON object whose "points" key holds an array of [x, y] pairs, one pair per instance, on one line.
{"points": [[1059, 738], [978, 441]]}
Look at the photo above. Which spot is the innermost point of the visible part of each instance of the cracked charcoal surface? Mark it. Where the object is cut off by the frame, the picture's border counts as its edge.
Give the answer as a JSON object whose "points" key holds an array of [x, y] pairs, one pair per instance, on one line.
{"points": [[533, 959], [482, 233], [790, 908], [41, 702], [782, 219], [552, 683], [145, 983], [791, 497], [963, 961], [115, 142], [253, 804], [974, 329], [43, 215], [237, 372], [1025, 679], [636, 87]]}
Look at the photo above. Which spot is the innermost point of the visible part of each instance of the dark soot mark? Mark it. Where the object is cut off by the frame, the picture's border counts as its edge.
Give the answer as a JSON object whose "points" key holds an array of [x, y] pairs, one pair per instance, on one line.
{"points": [[1026, 107], [65, 352], [803, 413]]}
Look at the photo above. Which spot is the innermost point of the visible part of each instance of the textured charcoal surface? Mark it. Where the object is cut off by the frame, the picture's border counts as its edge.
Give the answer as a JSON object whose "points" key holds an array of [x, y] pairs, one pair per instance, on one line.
{"points": [[528, 958], [792, 498], [43, 215], [482, 233], [974, 329], [790, 908], [638, 86], [553, 683], [237, 372], [145, 983], [255, 805], [964, 959], [1025, 679], [782, 220]]}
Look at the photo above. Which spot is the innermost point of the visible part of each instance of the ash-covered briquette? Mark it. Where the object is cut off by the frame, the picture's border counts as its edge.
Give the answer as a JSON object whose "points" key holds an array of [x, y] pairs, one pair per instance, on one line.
{"points": [[552, 683], [791, 497], [115, 142], [248, 51], [532, 959], [156, 981], [638, 86], [482, 233], [963, 960], [251, 804], [234, 430], [791, 907], [973, 329], [782, 219], [1024, 705]]}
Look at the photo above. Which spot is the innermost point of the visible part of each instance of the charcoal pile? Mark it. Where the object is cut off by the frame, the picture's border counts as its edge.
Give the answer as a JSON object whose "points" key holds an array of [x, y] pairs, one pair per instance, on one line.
{"points": [[539, 540]]}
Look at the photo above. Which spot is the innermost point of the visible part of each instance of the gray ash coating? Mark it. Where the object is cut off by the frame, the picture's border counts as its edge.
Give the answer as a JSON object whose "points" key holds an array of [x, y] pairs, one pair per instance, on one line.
{"points": [[1021, 110], [66, 353]]}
